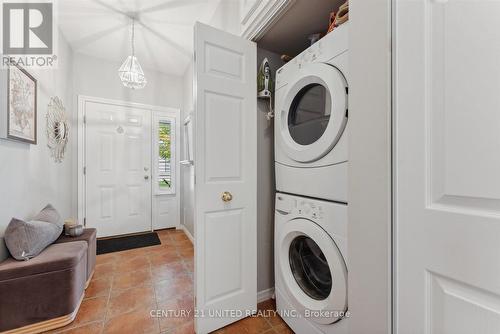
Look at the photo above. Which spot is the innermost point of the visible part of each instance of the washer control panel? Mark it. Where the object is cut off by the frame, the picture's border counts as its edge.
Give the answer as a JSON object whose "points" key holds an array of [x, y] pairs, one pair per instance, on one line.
{"points": [[309, 209], [285, 204], [300, 207], [330, 216]]}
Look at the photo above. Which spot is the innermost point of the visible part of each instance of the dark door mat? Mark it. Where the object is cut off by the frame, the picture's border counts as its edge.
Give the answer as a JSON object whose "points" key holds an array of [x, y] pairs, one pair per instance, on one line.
{"points": [[129, 242]]}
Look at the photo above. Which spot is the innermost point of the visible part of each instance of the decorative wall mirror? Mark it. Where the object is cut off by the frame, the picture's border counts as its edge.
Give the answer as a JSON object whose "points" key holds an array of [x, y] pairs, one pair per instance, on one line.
{"points": [[57, 129]]}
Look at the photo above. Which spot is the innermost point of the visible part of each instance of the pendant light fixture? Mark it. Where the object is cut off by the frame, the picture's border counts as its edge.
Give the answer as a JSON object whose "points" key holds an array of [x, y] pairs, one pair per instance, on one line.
{"points": [[130, 72]]}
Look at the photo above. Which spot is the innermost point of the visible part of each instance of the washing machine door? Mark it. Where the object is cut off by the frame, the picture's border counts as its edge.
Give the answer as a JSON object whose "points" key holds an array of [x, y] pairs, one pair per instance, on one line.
{"points": [[313, 271], [314, 113]]}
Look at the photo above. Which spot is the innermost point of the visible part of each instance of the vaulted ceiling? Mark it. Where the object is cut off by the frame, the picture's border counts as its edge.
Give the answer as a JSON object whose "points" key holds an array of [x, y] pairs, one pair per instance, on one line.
{"points": [[163, 29]]}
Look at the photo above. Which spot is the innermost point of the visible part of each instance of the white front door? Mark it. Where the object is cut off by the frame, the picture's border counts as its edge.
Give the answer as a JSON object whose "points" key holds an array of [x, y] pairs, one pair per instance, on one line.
{"points": [[447, 110], [118, 168], [226, 176]]}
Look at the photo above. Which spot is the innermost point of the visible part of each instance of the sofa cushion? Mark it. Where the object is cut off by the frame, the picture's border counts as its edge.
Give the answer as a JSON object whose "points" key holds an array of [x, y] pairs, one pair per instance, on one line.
{"points": [[56, 257], [50, 215], [26, 240]]}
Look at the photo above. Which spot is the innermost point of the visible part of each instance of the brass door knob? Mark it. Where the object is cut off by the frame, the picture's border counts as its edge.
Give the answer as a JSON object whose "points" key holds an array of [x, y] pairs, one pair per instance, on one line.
{"points": [[226, 196]]}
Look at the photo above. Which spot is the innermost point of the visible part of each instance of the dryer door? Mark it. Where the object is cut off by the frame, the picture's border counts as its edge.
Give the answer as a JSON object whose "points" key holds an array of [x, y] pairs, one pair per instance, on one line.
{"points": [[313, 271], [314, 113]]}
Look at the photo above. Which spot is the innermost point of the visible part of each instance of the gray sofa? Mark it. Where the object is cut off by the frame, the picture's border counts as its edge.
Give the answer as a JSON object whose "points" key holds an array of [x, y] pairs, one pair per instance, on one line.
{"points": [[45, 292]]}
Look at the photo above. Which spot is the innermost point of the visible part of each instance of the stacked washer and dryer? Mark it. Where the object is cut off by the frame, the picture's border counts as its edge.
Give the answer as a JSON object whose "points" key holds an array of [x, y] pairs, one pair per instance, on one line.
{"points": [[311, 134]]}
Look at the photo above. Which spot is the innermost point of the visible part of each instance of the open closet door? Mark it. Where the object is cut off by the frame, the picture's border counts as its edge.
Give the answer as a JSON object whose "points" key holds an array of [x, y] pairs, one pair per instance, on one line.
{"points": [[447, 181], [226, 174]]}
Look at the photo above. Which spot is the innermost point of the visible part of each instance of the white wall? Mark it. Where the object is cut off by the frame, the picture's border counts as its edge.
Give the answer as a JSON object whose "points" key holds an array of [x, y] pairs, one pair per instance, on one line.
{"points": [[227, 17], [29, 178], [369, 229], [99, 78]]}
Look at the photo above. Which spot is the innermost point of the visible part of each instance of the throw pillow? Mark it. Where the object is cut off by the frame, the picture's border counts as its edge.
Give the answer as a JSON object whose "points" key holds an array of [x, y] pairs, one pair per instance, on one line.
{"points": [[26, 240]]}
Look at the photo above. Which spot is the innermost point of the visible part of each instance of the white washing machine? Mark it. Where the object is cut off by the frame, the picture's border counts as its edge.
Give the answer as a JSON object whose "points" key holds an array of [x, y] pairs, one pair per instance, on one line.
{"points": [[311, 127], [311, 265]]}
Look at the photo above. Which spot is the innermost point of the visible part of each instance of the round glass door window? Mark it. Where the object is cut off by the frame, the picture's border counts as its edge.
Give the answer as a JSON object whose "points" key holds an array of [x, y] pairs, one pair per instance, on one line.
{"points": [[309, 114], [310, 268]]}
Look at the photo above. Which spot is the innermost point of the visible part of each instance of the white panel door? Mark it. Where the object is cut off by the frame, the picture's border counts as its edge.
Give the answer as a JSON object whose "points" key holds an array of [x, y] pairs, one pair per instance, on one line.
{"points": [[225, 162], [118, 169], [447, 108]]}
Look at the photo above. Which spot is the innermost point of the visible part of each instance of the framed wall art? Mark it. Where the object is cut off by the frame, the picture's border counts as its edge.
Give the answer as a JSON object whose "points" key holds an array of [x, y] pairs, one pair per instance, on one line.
{"points": [[19, 111]]}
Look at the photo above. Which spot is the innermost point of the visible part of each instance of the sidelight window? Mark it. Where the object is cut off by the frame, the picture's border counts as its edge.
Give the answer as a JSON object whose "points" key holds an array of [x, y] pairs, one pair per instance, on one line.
{"points": [[165, 166]]}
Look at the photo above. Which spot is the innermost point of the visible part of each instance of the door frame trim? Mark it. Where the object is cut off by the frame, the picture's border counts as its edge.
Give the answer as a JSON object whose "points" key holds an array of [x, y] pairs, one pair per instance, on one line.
{"points": [[370, 175], [81, 184], [262, 17]]}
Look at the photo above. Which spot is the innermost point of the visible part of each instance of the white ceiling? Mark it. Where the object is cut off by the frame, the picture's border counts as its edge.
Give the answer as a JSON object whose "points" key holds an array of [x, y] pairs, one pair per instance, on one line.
{"points": [[164, 31]]}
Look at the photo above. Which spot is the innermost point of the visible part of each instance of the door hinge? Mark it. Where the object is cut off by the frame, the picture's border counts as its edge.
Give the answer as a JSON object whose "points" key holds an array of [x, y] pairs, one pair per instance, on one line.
{"points": [[84, 221], [84, 119], [84, 170]]}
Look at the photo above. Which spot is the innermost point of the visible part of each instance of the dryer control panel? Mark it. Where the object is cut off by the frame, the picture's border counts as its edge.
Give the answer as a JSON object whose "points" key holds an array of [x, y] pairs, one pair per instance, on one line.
{"points": [[328, 47]]}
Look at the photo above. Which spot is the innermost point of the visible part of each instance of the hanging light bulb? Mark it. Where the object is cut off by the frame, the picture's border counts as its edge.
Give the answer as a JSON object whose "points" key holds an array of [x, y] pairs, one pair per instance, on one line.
{"points": [[130, 72]]}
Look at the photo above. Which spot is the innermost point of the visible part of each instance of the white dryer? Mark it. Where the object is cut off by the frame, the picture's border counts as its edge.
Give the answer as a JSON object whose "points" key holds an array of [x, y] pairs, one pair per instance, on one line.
{"points": [[310, 264], [311, 126]]}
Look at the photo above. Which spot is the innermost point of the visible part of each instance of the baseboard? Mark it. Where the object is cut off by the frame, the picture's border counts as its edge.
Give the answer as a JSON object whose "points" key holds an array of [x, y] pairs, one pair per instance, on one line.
{"points": [[265, 295], [189, 235]]}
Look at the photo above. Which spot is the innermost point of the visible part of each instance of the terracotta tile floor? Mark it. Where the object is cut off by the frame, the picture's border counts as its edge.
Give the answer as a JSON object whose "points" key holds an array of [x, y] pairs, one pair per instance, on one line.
{"points": [[127, 285]]}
